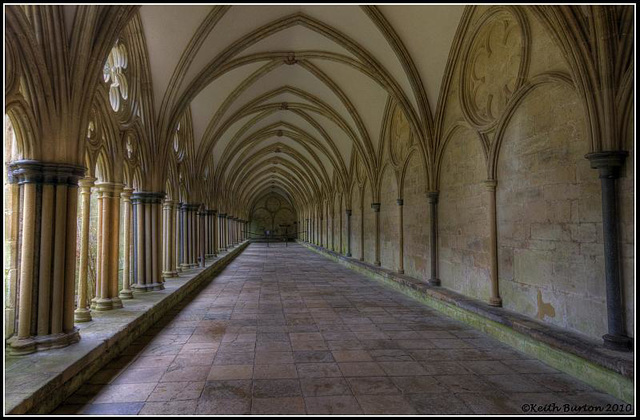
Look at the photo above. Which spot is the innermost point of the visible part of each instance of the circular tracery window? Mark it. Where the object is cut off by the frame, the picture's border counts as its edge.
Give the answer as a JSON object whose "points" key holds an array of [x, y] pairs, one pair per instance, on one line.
{"points": [[113, 72]]}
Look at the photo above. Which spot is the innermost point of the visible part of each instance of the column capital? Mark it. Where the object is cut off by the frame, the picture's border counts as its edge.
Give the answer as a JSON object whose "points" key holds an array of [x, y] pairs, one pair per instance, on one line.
{"points": [[126, 193], [87, 182], [375, 207], [400, 201], [432, 196], [33, 171], [139, 197], [608, 163], [110, 187]]}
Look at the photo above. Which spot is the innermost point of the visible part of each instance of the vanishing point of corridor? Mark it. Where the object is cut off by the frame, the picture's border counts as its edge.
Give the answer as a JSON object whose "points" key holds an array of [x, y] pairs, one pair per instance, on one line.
{"points": [[284, 330]]}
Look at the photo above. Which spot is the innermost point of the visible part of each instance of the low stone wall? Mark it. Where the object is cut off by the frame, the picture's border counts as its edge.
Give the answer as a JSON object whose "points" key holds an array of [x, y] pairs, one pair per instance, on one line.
{"points": [[39, 382], [609, 371]]}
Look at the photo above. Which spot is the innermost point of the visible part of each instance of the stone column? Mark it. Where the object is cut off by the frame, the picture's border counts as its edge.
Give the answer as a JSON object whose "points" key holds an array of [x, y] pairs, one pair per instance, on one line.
{"points": [[495, 299], [46, 300], [12, 222], [183, 236], [340, 227], [83, 312], [433, 206], [348, 211], [168, 230], [148, 260], [202, 216], [376, 209], [126, 293], [221, 219], [333, 231], [608, 164], [400, 202], [214, 222], [173, 265], [107, 294], [361, 225]]}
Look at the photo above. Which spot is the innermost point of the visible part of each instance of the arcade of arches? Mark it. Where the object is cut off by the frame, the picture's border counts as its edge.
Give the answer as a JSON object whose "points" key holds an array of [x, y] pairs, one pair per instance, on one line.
{"points": [[481, 152]]}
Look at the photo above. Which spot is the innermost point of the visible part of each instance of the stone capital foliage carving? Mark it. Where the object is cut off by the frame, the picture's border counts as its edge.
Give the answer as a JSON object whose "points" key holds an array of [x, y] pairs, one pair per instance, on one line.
{"points": [[495, 65], [141, 197]]}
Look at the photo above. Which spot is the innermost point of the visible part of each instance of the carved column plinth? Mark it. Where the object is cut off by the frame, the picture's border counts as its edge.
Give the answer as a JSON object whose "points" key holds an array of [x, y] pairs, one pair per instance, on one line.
{"points": [[608, 165], [376, 209], [47, 261], [147, 239], [433, 206]]}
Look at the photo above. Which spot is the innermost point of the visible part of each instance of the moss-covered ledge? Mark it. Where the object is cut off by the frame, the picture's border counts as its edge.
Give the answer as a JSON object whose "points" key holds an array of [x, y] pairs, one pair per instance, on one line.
{"points": [[579, 356], [39, 382]]}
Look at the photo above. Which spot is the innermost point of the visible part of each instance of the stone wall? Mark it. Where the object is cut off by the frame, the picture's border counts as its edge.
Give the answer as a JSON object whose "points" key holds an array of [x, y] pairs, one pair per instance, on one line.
{"points": [[356, 219], [389, 223], [369, 226], [463, 233], [417, 259]]}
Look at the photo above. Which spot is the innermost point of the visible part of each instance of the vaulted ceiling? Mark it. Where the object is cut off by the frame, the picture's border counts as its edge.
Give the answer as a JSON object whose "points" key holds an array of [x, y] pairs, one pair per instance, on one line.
{"points": [[284, 96]]}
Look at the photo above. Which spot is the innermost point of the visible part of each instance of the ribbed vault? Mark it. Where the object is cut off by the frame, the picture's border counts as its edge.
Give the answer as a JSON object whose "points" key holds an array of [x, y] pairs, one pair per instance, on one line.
{"points": [[288, 97]]}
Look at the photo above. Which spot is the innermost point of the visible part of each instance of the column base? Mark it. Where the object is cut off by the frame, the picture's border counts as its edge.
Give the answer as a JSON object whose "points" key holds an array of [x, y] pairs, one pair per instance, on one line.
{"points": [[377, 263], [169, 274], [497, 302], [116, 303], [400, 271], [142, 287], [104, 305], [617, 342], [348, 254], [157, 286], [82, 315], [22, 346], [125, 294], [434, 282]]}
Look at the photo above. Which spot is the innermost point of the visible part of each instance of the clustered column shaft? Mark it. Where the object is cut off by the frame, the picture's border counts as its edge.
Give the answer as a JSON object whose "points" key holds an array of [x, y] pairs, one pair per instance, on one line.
{"points": [[147, 240], [400, 202], [83, 313], [127, 272], [45, 306]]}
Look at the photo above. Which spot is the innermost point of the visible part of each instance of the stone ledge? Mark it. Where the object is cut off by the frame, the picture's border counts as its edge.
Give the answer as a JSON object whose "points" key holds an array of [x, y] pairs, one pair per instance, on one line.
{"points": [[39, 382], [579, 356]]}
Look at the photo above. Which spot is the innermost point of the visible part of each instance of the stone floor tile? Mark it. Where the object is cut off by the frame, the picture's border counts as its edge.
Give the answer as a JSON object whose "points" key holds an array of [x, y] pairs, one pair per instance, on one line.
{"points": [[385, 404], [222, 390], [402, 368], [226, 372], [273, 357], [361, 369], [124, 393], [373, 386], [275, 371], [176, 391], [139, 376], [321, 387], [283, 405], [112, 408], [185, 374], [318, 370], [418, 384], [438, 404], [185, 407], [332, 405], [276, 388], [310, 356], [514, 383], [489, 403], [224, 406]]}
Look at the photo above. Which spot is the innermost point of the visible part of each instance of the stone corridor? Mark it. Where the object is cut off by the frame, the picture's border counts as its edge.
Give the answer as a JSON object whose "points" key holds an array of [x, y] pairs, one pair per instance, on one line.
{"points": [[286, 331]]}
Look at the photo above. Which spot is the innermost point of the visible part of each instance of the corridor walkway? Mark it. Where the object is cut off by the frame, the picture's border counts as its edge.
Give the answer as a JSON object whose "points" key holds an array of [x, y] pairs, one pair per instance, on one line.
{"points": [[286, 331]]}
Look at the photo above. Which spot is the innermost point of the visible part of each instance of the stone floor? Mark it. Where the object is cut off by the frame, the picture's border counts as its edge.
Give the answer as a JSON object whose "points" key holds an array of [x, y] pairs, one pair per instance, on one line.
{"points": [[286, 331]]}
